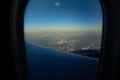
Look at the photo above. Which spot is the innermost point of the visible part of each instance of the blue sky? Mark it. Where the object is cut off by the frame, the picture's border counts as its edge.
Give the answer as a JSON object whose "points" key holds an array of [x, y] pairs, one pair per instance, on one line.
{"points": [[63, 13]]}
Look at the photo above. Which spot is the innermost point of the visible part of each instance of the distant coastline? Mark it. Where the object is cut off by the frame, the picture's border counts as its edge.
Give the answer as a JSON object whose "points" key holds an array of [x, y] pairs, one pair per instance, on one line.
{"points": [[90, 53]]}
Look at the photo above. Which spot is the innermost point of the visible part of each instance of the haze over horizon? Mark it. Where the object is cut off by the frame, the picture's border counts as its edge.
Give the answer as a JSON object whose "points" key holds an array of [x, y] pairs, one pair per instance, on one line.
{"points": [[65, 29], [66, 25]]}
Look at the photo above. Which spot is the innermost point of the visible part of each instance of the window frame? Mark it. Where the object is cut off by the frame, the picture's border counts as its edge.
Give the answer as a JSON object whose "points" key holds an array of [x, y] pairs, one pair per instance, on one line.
{"points": [[108, 65]]}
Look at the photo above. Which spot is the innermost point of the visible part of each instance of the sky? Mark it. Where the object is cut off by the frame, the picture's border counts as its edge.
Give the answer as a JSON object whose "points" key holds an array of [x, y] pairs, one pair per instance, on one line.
{"points": [[63, 14]]}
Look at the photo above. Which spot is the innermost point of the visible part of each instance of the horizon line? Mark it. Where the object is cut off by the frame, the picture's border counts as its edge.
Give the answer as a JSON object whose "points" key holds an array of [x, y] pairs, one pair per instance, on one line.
{"points": [[62, 30]]}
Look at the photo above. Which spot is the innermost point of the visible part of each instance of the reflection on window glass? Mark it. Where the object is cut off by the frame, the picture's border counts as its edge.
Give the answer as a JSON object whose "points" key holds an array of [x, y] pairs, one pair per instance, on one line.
{"points": [[60, 34]]}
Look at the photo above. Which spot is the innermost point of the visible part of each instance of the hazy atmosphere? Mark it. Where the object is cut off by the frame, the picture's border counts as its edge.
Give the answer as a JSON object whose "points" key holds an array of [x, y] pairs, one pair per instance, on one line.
{"points": [[65, 25]]}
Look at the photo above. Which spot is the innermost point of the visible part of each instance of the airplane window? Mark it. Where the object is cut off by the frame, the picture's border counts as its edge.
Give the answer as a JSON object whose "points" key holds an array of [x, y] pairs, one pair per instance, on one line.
{"points": [[63, 39]]}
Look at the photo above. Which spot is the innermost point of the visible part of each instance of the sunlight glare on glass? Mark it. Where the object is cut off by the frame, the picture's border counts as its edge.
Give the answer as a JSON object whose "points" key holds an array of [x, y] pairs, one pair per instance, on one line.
{"points": [[57, 3]]}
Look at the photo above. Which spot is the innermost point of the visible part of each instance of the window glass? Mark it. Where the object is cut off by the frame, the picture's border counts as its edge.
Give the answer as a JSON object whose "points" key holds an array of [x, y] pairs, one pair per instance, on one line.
{"points": [[60, 33]]}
